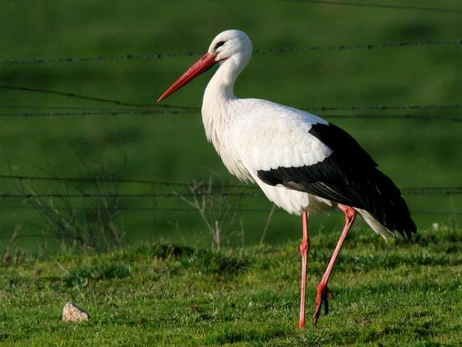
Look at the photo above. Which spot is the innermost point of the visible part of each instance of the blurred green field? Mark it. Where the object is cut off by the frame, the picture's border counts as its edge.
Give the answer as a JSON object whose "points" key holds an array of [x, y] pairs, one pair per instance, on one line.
{"points": [[415, 153]]}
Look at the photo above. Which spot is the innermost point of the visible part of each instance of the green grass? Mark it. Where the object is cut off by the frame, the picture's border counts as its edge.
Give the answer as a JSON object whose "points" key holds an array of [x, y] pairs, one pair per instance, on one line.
{"points": [[396, 293], [150, 292]]}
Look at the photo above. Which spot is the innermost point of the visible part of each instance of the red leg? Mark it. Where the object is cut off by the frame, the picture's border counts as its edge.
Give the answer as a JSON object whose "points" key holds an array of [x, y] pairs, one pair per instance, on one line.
{"points": [[323, 292], [304, 250]]}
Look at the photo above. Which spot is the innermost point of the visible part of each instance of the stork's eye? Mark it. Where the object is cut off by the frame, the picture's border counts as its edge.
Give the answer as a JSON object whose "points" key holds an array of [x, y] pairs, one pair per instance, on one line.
{"points": [[219, 44]]}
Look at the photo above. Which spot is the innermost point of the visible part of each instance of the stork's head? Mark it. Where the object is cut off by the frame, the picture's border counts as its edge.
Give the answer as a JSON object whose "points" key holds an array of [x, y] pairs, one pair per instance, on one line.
{"points": [[232, 45], [229, 43]]}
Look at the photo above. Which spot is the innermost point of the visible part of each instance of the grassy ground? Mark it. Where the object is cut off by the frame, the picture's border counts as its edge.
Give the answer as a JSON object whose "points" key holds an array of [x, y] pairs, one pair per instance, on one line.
{"points": [[412, 152], [386, 294], [389, 294]]}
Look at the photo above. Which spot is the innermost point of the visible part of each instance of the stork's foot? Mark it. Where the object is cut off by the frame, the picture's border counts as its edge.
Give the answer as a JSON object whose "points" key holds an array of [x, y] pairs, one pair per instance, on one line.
{"points": [[321, 298]]}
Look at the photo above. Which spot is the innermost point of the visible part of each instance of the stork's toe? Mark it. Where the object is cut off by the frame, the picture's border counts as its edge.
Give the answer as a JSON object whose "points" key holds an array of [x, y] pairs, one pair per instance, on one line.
{"points": [[322, 299]]}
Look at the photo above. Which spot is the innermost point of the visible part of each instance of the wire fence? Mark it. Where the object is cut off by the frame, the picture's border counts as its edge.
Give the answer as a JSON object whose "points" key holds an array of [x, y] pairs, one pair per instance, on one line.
{"points": [[189, 191], [156, 110], [131, 57], [113, 113], [124, 108], [247, 210], [90, 197], [380, 6], [200, 188], [117, 205], [195, 109], [166, 195]]}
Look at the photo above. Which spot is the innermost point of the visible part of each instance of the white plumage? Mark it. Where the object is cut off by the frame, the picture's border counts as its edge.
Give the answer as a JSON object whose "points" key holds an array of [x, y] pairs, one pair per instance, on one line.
{"points": [[270, 137], [253, 134], [300, 161]]}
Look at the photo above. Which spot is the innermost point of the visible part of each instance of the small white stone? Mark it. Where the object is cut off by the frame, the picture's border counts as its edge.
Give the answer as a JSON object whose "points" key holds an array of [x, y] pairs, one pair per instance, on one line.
{"points": [[72, 313]]}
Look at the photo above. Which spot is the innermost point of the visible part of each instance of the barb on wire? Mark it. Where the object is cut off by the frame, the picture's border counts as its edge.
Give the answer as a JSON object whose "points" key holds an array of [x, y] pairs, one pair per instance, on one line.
{"points": [[127, 56], [432, 191], [190, 209], [406, 191], [77, 108], [96, 179], [357, 47], [396, 116], [93, 113], [92, 98], [381, 6], [385, 107], [368, 47], [197, 109], [159, 109], [184, 112], [454, 190], [123, 195]]}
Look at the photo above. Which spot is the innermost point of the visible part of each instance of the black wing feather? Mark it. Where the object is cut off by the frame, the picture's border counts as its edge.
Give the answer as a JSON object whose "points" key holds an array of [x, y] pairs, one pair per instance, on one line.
{"points": [[349, 176]]}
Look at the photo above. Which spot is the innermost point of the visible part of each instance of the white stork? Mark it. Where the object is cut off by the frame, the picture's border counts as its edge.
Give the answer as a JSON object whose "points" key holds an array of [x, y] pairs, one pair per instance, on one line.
{"points": [[301, 162]]}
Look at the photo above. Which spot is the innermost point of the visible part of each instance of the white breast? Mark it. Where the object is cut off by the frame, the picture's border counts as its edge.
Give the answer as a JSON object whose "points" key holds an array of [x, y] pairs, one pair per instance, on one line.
{"points": [[258, 135]]}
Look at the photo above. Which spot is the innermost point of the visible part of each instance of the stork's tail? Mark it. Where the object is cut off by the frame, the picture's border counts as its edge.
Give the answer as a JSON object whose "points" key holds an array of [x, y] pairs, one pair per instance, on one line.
{"points": [[375, 225], [389, 213]]}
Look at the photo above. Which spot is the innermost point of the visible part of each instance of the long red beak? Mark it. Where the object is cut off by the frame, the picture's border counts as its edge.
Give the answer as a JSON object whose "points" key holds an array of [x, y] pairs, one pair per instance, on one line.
{"points": [[202, 65]]}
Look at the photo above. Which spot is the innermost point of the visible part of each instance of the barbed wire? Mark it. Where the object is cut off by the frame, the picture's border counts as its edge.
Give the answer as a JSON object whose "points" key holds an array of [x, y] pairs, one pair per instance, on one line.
{"points": [[381, 6], [386, 107], [367, 47], [93, 113], [92, 98], [165, 195], [452, 190], [77, 108], [127, 56], [131, 57], [123, 195], [170, 109], [432, 191], [197, 109], [114, 113], [191, 209], [100, 179], [395, 116]]}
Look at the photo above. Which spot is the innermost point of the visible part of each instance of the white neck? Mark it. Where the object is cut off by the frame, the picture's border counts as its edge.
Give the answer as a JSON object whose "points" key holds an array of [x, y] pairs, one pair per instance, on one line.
{"points": [[219, 95]]}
